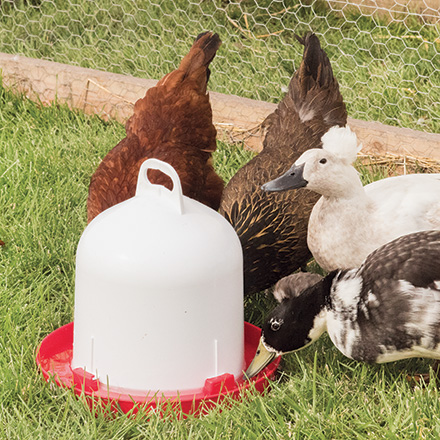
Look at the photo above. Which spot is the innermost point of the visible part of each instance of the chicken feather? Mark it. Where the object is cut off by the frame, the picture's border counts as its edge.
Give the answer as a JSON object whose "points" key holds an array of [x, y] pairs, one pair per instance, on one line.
{"points": [[173, 123], [272, 227]]}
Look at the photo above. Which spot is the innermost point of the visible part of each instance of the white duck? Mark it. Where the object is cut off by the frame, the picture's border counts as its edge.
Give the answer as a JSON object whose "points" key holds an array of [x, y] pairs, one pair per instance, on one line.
{"points": [[386, 310], [350, 221]]}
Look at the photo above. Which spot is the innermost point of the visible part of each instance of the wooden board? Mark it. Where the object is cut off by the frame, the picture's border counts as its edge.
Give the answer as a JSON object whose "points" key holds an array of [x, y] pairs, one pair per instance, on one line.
{"points": [[237, 119], [426, 10]]}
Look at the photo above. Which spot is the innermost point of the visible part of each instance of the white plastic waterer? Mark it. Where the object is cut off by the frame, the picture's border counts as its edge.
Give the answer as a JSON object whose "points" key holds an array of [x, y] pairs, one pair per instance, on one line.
{"points": [[159, 292]]}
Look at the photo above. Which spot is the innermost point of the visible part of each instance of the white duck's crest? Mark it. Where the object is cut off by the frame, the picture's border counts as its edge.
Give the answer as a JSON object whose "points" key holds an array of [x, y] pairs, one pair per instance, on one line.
{"points": [[342, 142]]}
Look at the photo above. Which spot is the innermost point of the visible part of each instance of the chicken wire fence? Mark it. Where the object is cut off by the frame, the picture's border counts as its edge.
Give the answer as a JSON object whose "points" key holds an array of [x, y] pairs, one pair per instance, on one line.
{"points": [[385, 54]]}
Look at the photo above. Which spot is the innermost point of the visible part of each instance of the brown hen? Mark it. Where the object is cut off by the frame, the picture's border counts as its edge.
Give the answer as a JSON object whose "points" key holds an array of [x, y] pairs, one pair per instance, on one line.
{"points": [[173, 123], [272, 227]]}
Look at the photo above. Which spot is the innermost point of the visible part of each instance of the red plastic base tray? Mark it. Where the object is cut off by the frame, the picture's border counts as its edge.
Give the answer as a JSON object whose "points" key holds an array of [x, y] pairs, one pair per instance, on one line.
{"points": [[54, 358]]}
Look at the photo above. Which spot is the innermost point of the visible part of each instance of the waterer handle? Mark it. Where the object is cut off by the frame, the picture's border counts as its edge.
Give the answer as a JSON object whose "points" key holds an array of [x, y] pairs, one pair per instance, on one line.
{"points": [[144, 185]]}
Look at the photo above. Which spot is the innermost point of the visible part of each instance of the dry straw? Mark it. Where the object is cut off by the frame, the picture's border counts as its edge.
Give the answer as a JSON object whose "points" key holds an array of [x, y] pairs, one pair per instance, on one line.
{"points": [[393, 164]]}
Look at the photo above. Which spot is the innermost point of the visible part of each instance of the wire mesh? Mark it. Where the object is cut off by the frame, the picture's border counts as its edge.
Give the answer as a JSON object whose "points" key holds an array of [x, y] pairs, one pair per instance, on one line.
{"points": [[385, 53]]}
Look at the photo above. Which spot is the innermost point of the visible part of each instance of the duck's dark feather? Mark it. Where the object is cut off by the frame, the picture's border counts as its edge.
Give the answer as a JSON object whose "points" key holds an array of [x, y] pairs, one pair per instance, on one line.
{"points": [[388, 309], [398, 302], [273, 226], [293, 285], [412, 258]]}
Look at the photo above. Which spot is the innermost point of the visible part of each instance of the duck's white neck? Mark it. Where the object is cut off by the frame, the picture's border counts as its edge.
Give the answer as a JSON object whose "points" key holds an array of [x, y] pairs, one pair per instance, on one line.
{"points": [[319, 325], [350, 219], [346, 185]]}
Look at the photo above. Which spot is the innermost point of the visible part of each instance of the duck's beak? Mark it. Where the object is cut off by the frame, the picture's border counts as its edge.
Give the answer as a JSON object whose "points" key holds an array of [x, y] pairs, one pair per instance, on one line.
{"points": [[263, 357], [290, 180]]}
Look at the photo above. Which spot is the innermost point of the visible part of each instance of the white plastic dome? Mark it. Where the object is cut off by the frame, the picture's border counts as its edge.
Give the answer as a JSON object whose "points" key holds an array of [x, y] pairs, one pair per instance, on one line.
{"points": [[159, 292]]}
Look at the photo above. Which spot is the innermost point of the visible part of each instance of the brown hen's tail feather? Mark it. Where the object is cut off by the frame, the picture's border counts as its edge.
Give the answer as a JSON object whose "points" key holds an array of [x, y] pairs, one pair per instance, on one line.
{"points": [[315, 62], [209, 43], [201, 53], [195, 63], [313, 87]]}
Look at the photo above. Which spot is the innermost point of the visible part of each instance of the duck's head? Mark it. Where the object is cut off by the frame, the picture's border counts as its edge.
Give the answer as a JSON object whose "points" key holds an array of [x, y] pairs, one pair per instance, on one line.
{"points": [[326, 170], [294, 324], [292, 285]]}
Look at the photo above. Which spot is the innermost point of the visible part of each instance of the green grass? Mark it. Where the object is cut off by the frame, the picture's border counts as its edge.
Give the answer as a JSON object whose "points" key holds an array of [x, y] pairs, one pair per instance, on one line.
{"points": [[47, 155], [387, 71]]}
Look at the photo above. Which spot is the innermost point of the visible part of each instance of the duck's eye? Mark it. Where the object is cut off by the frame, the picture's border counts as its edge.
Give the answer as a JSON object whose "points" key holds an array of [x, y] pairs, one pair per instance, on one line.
{"points": [[323, 160], [276, 324]]}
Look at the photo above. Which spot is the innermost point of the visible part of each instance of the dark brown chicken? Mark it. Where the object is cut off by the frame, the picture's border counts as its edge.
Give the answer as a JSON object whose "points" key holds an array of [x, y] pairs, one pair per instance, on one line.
{"points": [[173, 123], [273, 226]]}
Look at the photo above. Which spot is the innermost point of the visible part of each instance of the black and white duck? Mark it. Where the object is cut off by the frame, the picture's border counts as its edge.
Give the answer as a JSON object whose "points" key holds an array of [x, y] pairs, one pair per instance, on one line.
{"points": [[384, 311], [273, 227]]}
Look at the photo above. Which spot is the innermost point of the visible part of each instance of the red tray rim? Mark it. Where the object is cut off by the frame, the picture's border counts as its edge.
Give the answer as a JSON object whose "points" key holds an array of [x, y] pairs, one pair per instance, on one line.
{"points": [[54, 355]]}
